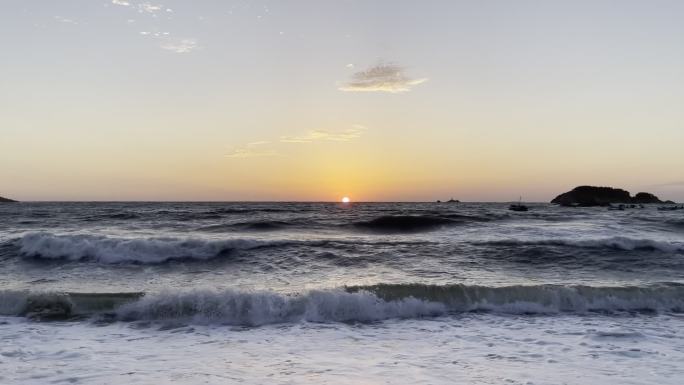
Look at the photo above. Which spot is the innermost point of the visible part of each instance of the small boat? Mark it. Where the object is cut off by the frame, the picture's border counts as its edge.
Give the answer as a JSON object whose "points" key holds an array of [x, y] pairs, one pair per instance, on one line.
{"points": [[518, 207], [452, 200]]}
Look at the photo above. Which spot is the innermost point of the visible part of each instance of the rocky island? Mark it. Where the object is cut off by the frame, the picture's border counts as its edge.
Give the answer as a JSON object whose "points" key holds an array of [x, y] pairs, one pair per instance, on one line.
{"points": [[5, 200], [587, 196]]}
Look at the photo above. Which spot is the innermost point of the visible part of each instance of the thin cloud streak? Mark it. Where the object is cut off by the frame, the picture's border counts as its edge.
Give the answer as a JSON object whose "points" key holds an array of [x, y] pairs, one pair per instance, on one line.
{"points": [[381, 78], [251, 150], [677, 184], [346, 135]]}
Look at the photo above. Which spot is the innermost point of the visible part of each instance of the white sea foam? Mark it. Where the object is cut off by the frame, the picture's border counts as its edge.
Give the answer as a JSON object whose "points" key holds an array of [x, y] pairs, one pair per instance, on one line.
{"points": [[473, 349]]}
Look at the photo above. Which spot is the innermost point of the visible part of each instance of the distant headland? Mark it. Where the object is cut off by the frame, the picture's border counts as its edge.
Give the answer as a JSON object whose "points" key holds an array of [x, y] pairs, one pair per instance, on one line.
{"points": [[452, 200], [587, 196], [5, 200]]}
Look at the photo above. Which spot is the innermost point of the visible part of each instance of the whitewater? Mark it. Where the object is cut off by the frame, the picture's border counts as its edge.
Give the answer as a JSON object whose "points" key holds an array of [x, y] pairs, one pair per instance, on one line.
{"points": [[324, 293]]}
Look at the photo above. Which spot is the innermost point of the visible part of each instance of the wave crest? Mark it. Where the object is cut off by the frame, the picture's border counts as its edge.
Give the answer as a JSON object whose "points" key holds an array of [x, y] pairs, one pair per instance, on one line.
{"points": [[259, 308]]}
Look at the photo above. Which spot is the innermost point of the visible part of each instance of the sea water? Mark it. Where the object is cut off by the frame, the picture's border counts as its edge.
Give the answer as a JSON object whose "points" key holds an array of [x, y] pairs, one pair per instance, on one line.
{"points": [[322, 293]]}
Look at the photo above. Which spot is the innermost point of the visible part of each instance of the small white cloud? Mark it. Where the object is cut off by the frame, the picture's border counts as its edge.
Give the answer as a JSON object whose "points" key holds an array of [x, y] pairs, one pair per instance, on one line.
{"points": [[149, 8], [381, 78], [65, 20], [121, 2], [346, 135], [182, 46], [350, 65], [250, 150]]}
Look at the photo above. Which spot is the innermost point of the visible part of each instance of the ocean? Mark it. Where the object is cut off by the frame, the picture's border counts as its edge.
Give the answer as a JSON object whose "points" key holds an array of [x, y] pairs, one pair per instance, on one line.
{"points": [[326, 293]]}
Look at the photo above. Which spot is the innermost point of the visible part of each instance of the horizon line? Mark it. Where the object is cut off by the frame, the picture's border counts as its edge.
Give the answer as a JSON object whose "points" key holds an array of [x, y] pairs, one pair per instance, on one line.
{"points": [[257, 201]]}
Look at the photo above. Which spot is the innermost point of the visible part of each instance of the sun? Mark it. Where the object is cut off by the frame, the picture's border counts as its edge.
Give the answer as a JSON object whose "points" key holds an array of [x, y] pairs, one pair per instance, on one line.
{"points": [[346, 200]]}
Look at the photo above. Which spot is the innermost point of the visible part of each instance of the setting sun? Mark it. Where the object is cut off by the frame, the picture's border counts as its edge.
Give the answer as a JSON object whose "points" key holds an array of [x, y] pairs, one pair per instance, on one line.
{"points": [[346, 200]]}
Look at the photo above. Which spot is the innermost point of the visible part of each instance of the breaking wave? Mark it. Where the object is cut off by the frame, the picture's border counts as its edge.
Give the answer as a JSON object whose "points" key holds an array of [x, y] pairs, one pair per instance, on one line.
{"points": [[114, 250], [118, 250], [348, 304]]}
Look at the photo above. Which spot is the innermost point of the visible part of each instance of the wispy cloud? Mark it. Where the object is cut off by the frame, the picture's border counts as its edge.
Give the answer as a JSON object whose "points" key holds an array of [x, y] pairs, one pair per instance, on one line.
{"points": [[144, 7], [250, 150], [152, 16], [181, 46], [345, 135], [381, 78], [269, 148]]}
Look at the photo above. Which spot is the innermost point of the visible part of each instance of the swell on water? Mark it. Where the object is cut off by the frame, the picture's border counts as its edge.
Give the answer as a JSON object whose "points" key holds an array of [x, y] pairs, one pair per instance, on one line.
{"points": [[405, 223], [246, 226], [615, 243], [348, 304]]}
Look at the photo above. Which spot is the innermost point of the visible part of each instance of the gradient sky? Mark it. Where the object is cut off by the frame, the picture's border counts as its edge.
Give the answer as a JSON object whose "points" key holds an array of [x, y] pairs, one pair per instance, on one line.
{"points": [[315, 100]]}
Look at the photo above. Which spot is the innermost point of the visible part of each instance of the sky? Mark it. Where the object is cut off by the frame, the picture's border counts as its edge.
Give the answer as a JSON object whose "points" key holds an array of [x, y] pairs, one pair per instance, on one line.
{"points": [[316, 100]]}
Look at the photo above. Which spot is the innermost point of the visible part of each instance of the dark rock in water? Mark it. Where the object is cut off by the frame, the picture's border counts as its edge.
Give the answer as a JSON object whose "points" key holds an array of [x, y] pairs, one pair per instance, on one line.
{"points": [[452, 200], [5, 200], [593, 196], [586, 196], [644, 197]]}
